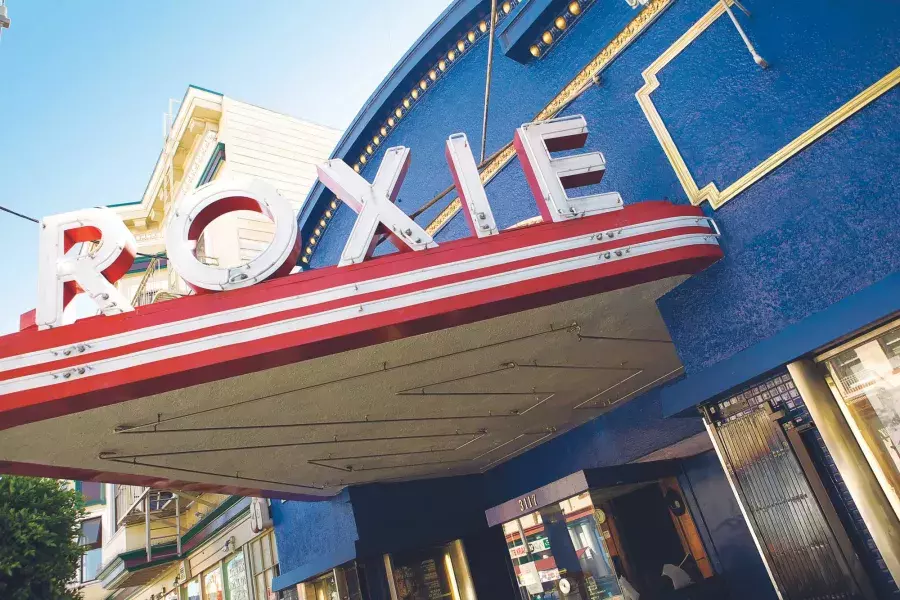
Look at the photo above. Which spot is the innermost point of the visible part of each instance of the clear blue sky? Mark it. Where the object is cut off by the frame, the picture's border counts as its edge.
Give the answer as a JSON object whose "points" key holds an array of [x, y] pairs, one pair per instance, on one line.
{"points": [[83, 86]]}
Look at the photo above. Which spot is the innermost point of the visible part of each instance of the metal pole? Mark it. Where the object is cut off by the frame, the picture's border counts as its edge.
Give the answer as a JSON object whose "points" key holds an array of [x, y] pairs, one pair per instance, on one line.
{"points": [[756, 57], [147, 523], [487, 79], [178, 524]]}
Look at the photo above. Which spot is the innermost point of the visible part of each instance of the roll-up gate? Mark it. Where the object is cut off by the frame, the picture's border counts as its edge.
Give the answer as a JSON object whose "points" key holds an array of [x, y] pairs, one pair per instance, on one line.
{"points": [[798, 543]]}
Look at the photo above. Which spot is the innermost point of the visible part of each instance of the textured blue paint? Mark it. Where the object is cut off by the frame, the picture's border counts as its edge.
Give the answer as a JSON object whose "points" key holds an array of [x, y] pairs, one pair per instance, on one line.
{"points": [[313, 537], [817, 230], [737, 114], [854, 312], [725, 532], [634, 430], [821, 227]]}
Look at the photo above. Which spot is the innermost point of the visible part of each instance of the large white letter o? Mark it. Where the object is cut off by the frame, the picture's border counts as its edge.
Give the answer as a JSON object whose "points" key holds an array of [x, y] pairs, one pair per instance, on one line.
{"points": [[215, 199]]}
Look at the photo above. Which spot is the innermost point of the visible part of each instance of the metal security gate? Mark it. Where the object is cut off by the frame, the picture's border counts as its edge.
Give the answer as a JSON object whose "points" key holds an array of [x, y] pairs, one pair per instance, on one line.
{"points": [[798, 545]]}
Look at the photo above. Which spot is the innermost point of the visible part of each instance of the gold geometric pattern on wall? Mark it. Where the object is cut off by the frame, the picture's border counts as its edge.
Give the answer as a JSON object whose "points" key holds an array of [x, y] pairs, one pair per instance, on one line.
{"points": [[572, 90], [710, 192]]}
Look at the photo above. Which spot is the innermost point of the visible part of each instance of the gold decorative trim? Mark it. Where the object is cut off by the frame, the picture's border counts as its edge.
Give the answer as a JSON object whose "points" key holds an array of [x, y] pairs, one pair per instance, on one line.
{"points": [[571, 91], [710, 192]]}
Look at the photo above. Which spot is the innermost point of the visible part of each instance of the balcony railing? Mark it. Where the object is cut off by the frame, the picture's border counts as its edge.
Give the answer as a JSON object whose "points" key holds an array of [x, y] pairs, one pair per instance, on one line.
{"points": [[132, 502]]}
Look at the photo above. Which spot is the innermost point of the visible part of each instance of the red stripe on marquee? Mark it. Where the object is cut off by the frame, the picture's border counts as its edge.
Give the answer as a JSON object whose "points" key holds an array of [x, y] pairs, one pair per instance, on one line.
{"points": [[228, 361], [241, 324], [91, 328]]}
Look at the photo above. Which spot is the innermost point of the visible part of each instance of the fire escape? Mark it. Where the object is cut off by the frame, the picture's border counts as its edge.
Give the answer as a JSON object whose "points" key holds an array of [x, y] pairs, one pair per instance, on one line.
{"points": [[163, 513]]}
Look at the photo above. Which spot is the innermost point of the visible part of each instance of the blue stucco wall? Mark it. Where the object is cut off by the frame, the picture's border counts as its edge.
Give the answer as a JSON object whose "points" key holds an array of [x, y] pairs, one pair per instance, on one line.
{"points": [[313, 537], [824, 225]]}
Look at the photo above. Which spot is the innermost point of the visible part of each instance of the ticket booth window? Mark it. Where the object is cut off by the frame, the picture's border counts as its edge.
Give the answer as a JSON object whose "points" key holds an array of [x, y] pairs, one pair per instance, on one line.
{"points": [[559, 551]]}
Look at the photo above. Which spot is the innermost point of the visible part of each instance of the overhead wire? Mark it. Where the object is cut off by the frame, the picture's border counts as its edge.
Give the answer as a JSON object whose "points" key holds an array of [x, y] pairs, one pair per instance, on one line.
{"points": [[33, 220]]}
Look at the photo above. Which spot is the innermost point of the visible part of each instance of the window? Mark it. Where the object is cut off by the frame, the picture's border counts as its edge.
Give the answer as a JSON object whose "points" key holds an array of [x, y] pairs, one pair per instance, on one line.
{"points": [[213, 587], [865, 380], [91, 539], [93, 492], [192, 590], [236, 577], [263, 564], [437, 572]]}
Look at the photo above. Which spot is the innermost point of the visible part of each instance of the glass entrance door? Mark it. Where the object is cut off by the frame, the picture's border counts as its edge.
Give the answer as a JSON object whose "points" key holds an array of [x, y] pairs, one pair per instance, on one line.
{"points": [[558, 553]]}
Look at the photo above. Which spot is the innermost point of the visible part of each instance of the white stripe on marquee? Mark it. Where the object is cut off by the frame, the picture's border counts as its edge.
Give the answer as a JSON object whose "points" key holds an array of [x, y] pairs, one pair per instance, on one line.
{"points": [[352, 311], [344, 291]]}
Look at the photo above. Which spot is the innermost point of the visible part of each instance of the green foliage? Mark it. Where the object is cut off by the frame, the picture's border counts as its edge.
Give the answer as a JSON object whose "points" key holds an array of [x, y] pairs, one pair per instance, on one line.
{"points": [[39, 551]]}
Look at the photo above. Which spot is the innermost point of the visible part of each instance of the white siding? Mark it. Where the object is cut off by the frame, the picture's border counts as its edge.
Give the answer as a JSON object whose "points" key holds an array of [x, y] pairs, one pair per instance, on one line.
{"points": [[267, 145]]}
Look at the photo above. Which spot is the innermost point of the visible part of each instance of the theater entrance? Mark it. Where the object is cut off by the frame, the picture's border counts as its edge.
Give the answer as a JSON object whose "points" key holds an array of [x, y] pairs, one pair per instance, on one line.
{"points": [[626, 534]]}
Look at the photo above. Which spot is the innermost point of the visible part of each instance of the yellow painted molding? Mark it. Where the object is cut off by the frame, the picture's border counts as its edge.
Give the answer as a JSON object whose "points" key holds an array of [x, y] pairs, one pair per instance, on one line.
{"points": [[571, 91], [710, 192]]}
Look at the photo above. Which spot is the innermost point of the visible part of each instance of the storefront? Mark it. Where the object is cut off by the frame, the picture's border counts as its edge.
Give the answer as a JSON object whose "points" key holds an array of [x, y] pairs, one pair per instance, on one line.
{"points": [[811, 453], [607, 533]]}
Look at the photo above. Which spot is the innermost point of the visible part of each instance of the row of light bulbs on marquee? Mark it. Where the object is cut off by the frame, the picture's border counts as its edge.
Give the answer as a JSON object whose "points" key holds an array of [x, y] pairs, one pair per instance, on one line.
{"points": [[572, 11]]}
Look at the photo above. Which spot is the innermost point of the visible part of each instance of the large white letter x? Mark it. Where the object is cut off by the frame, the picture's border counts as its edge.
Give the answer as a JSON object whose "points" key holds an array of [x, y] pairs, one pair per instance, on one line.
{"points": [[374, 204]]}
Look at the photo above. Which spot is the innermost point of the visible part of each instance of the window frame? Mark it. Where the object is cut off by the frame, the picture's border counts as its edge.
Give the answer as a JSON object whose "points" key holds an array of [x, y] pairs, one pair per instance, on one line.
{"points": [[80, 489], [98, 545]]}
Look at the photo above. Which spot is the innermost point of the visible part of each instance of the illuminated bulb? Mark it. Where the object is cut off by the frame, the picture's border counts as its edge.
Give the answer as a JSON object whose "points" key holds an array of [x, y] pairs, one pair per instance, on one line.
{"points": [[451, 55], [398, 112], [305, 259], [317, 231], [460, 45], [391, 121], [423, 84], [575, 8], [470, 36], [328, 214], [308, 250], [362, 158], [356, 167], [506, 7], [369, 149], [333, 204], [482, 27], [547, 37], [383, 131], [560, 23], [415, 94], [432, 74], [442, 65], [376, 140], [312, 241], [535, 51], [322, 222], [406, 102]]}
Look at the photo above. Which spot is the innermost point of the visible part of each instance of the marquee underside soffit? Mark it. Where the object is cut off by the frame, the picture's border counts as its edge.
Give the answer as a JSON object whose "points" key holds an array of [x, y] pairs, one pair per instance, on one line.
{"points": [[455, 401]]}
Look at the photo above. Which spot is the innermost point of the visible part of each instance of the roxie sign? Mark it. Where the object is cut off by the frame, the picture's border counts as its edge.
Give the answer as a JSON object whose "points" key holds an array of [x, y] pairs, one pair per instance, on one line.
{"points": [[61, 276], [584, 247]]}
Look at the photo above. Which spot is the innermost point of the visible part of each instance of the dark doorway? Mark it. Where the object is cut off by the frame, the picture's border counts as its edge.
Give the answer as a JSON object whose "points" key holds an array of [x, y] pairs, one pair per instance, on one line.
{"points": [[649, 539]]}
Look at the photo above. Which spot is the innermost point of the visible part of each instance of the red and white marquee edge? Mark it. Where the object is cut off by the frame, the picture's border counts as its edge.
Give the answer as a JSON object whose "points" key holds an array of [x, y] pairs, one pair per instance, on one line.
{"points": [[109, 359], [585, 246]]}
